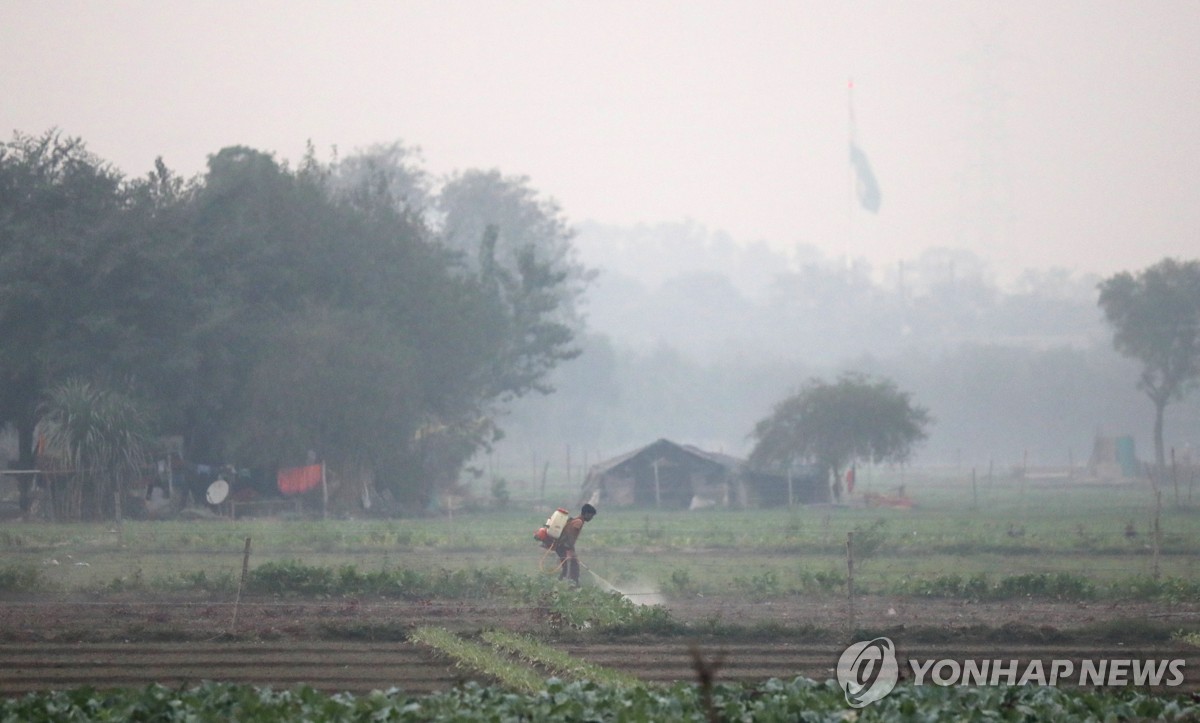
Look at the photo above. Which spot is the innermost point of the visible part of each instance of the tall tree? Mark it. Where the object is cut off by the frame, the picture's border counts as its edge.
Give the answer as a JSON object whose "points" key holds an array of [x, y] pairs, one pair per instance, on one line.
{"points": [[268, 311], [833, 425], [388, 174], [525, 227], [60, 210], [1155, 315]]}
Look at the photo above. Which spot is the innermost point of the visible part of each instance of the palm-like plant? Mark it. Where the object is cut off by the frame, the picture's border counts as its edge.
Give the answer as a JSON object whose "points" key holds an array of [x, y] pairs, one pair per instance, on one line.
{"points": [[99, 438]]}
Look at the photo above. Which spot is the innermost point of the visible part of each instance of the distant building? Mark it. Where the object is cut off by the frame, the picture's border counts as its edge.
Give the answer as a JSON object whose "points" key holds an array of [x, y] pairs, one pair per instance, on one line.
{"points": [[1114, 458], [667, 475]]}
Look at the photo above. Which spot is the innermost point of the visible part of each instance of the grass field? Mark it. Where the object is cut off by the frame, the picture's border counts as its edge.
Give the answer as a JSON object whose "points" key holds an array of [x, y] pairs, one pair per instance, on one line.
{"points": [[1005, 570], [996, 529]]}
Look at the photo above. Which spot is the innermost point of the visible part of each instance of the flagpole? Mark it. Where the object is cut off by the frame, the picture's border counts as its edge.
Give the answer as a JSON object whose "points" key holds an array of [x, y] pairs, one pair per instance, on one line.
{"points": [[850, 186]]}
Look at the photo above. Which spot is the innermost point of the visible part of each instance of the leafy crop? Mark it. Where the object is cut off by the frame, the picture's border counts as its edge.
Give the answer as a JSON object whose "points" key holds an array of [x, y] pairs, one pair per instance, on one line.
{"points": [[1169, 589], [1058, 586], [480, 659], [556, 660], [296, 578], [759, 587], [589, 607], [554, 700]]}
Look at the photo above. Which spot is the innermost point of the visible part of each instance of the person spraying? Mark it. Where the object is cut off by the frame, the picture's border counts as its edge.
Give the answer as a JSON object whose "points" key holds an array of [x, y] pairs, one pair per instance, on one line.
{"points": [[564, 546]]}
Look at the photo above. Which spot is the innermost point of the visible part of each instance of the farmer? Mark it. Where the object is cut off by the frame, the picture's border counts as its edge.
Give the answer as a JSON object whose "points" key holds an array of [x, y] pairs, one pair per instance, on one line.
{"points": [[565, 546]]}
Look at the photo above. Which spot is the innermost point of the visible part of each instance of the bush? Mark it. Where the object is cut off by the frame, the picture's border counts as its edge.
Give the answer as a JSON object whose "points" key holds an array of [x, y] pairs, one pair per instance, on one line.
{"points": [[1059, 585], [1168, 589], [822, 581], [22, 578], [679, 583], [759, 587]]}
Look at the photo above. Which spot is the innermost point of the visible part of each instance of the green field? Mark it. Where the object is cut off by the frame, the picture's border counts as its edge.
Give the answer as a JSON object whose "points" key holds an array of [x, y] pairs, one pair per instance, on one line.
{"points": [[999, 529]]}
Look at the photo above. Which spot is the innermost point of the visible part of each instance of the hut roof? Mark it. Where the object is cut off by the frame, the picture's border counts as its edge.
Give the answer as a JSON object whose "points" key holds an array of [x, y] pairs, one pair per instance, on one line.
{"points": [[723, 461]]}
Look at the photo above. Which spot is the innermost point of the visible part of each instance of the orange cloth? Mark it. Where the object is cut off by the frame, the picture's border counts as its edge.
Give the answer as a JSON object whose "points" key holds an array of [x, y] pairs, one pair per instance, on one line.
{"points": [[295, 480]]}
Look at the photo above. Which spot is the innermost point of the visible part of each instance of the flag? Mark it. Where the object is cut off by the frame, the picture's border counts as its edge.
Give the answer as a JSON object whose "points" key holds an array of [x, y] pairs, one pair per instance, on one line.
{"points": [[868, 187], [294, 480]]}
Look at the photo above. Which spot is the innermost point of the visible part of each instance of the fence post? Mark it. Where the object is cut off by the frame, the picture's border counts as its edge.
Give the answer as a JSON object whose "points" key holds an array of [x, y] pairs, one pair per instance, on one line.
{"points": [[241, 583], [1175, 476], [1157, 528], [850, 580]]}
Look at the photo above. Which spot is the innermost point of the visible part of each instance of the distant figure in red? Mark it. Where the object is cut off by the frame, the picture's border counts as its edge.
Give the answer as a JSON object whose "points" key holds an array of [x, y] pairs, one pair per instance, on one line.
{"points": [[565, 546]]}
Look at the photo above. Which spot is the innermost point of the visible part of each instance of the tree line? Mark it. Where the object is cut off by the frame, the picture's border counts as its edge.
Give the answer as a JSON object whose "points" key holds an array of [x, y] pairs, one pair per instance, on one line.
{"points": [[355, 309], [1029, 374]]}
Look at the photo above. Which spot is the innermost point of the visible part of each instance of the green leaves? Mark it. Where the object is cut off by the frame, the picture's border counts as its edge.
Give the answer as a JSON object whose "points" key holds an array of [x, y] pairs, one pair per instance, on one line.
{"points": [[100, 438], [267, 312], [776, 700], [856, 417], [1155, 317]]}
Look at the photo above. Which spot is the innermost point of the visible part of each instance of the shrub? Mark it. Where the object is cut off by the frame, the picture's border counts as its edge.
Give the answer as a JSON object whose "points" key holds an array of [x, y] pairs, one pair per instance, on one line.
{"points": [[679, 583], [759, 587], [1059, 585], [23, 578]]}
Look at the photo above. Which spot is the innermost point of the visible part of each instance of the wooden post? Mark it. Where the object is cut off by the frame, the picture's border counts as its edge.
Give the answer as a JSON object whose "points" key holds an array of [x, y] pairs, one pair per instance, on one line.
{"points": [[241, 583], [850, 580], [120, 525], [1157, 529], [974, 489], [657, 491], [791, 493], [324, 493], [1024, 474], [1175, 476]]}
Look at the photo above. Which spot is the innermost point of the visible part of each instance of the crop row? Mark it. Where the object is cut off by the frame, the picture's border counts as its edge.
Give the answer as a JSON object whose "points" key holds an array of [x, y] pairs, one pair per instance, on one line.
{"points": [[800, 699]]}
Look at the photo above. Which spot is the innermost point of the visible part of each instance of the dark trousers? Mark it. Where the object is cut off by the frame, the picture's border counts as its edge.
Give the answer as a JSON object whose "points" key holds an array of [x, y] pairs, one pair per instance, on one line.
{"points": [[568, 565]]}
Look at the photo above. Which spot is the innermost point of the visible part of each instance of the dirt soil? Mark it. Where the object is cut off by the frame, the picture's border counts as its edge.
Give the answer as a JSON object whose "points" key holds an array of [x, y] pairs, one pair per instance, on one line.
{"points": [[360, 645]]}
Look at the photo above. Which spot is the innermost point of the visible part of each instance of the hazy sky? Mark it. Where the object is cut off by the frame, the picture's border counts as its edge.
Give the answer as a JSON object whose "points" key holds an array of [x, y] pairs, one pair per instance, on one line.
{"points": [[1035, 133]]}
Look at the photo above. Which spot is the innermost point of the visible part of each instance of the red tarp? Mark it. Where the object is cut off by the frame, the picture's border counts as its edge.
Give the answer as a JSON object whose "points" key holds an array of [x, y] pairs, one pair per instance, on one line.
{"points": [[295, 480]]}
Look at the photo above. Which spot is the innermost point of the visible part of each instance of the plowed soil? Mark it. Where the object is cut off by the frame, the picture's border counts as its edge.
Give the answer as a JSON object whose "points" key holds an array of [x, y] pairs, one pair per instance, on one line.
{"points": [[359, 646]]}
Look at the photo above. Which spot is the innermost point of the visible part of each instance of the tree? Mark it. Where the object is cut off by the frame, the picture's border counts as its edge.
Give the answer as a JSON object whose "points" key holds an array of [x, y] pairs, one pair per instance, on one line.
{"points": [[524, 227], [335, 319], [833, 425], [265, 312], [386, 172], [1155, 316], [101, 438], [60, 211]]}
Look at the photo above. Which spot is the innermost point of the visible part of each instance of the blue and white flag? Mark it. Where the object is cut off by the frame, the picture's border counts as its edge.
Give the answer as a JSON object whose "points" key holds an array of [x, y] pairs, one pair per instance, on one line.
{"points": [[867, 186]]}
